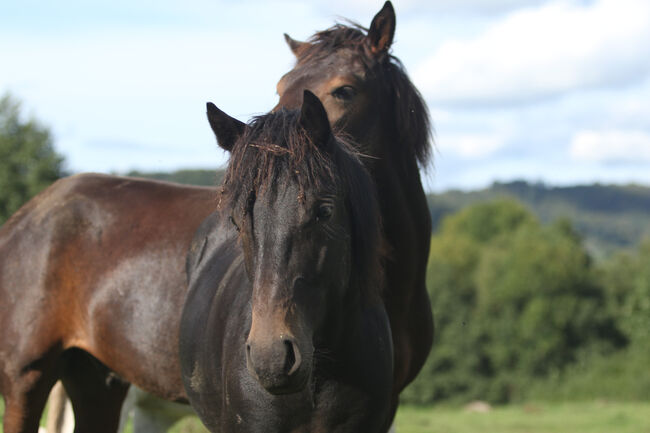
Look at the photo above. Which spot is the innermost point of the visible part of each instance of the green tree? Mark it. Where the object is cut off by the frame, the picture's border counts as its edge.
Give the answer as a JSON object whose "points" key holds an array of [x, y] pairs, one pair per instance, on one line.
{"points": [[624, 374], [627, 279], [28, 161], [514, 302]]}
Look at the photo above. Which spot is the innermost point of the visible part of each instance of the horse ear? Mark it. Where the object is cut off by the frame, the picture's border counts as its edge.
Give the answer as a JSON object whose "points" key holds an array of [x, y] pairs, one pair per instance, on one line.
{"points": [[226, 128], [382, 30], [313, 118], [295, 45]]}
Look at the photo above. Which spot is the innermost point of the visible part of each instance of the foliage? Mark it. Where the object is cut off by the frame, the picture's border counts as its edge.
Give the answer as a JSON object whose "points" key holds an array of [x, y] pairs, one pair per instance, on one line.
{"points": [[621, 376], [626, 277], [28, 161], [514, 302]]}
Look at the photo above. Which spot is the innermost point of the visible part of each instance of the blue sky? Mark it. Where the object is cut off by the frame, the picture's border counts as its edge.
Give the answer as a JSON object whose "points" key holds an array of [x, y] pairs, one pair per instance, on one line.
{"points": [[555, 91]]}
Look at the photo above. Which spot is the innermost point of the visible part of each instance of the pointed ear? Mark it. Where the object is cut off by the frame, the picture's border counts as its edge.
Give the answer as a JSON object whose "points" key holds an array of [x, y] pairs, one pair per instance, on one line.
{"points": [[295, 45], [226, 128], [382, 30], [313, 118]]}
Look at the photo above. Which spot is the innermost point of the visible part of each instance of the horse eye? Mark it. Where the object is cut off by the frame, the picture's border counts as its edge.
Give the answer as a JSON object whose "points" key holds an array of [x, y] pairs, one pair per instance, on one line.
{"points": [[324, 212], [232, 221], [344, 93]]}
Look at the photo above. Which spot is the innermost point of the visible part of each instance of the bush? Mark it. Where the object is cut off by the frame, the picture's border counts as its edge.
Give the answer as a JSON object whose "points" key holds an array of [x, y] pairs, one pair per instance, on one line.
{"points": [[28, 162], [514, 302]]}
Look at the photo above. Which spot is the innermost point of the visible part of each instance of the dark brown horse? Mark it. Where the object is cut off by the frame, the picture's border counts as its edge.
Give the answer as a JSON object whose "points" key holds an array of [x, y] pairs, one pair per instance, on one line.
{"points": [[92, 278], [284, 328], [367, 94]]}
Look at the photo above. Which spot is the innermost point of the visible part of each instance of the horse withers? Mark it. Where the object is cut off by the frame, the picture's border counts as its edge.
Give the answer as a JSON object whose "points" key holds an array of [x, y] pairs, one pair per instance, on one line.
{"points": [[284, 327]]}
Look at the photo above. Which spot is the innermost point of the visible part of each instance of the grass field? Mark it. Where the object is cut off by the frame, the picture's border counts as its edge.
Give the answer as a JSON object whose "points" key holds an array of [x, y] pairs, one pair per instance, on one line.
{"points": [[592, 417]]}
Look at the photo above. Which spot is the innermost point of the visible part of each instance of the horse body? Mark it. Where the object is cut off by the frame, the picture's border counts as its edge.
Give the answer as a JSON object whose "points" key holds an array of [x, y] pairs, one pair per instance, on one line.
{"points": [[367, 94], [279, 332], [94, 265]]}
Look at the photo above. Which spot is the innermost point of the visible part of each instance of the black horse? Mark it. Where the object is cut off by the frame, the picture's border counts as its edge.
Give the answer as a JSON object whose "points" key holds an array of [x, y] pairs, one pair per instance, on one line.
{"points": [[284, 328]]}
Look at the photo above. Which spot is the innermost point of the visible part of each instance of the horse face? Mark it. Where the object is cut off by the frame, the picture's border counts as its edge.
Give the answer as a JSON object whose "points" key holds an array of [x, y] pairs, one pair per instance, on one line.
{"points": [[298, 258], [341, 76], [295, 235]]}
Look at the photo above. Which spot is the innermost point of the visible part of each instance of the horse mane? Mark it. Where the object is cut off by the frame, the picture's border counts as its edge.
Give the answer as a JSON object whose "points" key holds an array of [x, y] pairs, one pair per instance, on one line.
{"points": [[274, 145], [404, 103]]}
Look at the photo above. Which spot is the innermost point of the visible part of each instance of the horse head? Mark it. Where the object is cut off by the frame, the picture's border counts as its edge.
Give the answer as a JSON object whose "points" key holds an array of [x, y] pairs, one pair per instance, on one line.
{"points": [[364, 89]]}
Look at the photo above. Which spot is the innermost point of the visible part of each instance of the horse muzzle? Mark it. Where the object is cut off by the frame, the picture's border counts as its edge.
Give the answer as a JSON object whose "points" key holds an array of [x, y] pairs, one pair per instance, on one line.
{"points": [[278, 364]]}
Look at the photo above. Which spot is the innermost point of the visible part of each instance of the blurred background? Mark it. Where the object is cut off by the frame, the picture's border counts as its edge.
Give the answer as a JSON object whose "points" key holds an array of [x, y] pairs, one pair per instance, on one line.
{"points": [[539, 273]]}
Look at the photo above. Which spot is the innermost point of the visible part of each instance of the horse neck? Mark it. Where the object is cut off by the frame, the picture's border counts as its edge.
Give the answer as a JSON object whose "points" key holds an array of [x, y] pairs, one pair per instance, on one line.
{"points": [[405, 214], [397, 175]]}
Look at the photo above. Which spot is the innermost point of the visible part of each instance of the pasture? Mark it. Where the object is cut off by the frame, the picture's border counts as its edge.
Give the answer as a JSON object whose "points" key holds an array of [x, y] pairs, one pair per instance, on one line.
{"points": [[570, 417], [573, 417]]}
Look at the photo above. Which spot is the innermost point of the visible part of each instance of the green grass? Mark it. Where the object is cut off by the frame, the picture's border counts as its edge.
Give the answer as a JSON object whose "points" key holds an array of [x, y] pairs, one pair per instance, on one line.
{"points": [[592, 417]]}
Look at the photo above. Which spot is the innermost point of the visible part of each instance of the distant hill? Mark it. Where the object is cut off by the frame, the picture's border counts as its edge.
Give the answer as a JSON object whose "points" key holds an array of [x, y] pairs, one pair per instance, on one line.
{"points": [[608, 217], [188, 177]]}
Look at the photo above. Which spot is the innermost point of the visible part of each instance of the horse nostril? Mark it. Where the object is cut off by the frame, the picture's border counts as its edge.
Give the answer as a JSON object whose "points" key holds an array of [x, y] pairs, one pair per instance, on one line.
{"points": [[293, 359]]}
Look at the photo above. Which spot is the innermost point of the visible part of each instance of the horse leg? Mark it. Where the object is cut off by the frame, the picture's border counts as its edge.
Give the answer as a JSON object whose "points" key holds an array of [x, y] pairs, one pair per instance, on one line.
{"points": [[26, 397], [96, 394]]}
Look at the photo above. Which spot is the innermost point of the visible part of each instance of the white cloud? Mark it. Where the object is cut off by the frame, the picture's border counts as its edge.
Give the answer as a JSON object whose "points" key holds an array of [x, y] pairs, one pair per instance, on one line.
{"points": [[610, 146], [542, 52], [474, 7], [456, 7], [470, 146]]}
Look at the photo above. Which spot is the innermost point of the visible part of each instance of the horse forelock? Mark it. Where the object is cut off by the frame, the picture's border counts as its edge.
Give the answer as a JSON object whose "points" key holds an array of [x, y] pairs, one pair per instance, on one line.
{"points": [[275, 146]]}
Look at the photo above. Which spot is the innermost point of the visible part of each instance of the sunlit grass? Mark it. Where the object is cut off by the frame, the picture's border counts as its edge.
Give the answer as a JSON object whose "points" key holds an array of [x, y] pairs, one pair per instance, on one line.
{"points": [[592, 417]]}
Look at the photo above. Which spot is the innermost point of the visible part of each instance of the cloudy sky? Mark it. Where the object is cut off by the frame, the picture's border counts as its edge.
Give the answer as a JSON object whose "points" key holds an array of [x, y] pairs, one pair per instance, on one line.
{"points": [[555, 91]]}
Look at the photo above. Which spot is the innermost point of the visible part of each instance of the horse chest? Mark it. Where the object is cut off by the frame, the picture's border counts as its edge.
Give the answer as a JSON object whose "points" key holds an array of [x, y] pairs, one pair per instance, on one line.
{"points": [[334, 408]]}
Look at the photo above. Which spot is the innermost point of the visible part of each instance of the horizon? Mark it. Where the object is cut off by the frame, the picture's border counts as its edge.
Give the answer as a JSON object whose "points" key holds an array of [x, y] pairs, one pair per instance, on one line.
{"points": [[556, 91], [492, 184]]}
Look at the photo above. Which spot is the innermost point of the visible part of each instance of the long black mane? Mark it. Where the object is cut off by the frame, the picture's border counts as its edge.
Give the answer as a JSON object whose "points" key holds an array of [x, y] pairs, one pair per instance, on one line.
{"points": [[403, 101], [274, 145]]}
